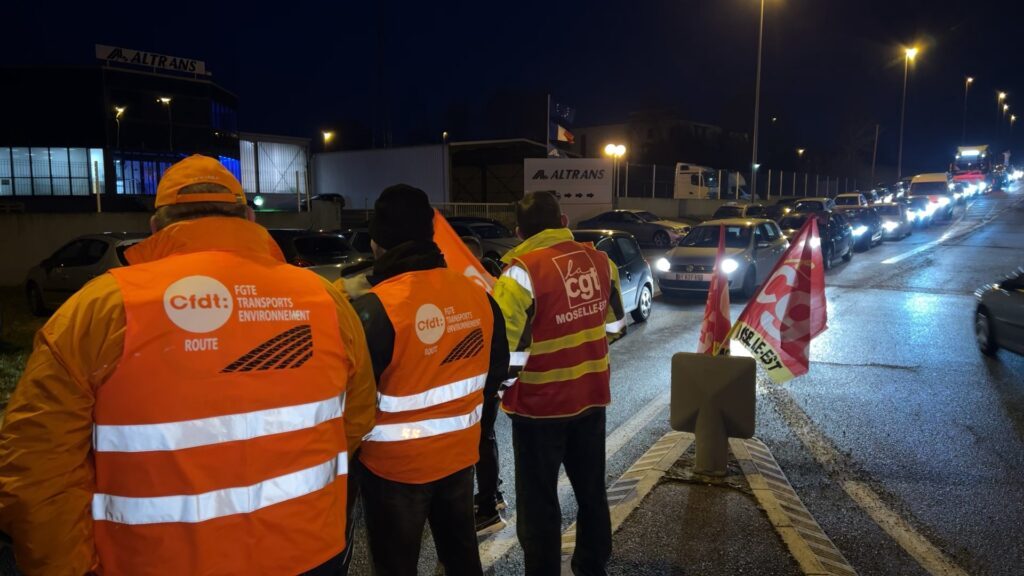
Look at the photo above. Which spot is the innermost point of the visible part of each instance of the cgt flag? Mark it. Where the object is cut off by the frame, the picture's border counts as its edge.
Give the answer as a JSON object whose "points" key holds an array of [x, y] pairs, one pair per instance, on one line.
{"points": [[714, 331], [789, 310], [457, 255]]}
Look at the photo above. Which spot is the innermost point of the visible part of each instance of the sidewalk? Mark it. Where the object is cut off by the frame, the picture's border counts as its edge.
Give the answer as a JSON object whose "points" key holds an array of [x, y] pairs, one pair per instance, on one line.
{"points": [[666, 520]]}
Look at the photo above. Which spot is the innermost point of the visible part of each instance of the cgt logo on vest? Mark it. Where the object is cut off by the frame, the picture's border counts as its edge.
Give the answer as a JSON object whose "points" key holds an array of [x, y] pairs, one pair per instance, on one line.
{"points": [[198, 304], [579, 274], [430, 324]]}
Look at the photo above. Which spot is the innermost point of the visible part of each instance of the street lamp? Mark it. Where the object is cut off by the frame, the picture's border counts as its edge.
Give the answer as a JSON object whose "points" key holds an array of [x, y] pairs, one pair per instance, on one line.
{"points": [[328, 137], [967, 86], [170, 122], [616, 151], [800, 153], [909, 55], [757, 105], [118, 112], [999, 105]]}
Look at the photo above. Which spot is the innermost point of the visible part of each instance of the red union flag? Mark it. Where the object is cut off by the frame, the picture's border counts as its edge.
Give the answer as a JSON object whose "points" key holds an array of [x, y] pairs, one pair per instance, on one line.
{"points": [[714, 331], [789, 310], [457, 255]]}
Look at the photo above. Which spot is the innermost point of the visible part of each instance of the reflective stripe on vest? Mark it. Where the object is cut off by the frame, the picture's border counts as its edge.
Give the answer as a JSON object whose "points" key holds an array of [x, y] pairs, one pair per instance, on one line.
{"points": [[217, 429], [423, 428], [192, 508], [432, 397]]}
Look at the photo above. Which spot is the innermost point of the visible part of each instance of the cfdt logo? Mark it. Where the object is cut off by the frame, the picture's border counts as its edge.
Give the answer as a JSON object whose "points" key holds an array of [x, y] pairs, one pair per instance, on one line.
{"points": [[579, 274], [429, 324], [198, 304]]}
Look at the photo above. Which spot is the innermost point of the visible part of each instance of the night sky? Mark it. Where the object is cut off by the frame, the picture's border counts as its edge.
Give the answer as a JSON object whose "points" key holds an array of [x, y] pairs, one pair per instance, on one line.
{"points": [[832, 68]]}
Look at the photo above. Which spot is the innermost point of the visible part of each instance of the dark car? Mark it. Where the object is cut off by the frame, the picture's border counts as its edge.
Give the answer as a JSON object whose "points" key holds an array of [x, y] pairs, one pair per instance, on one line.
{"points": [[359, 239], [326, 253], [999, 317], [634, 271], [836, 234], [56, 278], [866, 224], [644, 226], [494, 237]]}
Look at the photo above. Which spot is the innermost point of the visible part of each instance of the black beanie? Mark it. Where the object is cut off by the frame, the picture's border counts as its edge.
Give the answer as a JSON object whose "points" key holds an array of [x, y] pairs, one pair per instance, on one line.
{"points": [[401, 214]]}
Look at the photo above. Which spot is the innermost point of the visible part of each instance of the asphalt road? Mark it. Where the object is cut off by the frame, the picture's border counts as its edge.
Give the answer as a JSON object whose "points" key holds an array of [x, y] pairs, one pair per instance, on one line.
{"points": [[898, 405]]}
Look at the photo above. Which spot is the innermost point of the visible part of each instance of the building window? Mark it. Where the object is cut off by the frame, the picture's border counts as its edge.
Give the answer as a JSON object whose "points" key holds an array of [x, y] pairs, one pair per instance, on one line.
{"points": [[49, 171], [223, 117], [6, 174], [232, 164]]}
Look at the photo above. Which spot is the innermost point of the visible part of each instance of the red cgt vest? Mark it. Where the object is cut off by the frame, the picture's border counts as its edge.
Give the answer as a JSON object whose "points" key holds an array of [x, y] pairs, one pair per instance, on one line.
{"points": [[567, 369]]}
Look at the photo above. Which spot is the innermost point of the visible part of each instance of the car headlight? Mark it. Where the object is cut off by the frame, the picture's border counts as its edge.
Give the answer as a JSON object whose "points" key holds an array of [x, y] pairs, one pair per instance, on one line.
{"points": [[860, 230], [729, 265], [957, 195], [663, 265], [890, 226], [944, 201]]}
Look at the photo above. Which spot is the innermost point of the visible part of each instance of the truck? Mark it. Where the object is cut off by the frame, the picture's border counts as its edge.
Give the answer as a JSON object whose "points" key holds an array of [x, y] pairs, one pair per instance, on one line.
{"points": [[700, 182], [972, 167]]}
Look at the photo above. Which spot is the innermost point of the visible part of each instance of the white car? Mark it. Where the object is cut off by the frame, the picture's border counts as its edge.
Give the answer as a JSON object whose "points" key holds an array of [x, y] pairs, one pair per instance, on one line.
{"points": [[851, 199]]}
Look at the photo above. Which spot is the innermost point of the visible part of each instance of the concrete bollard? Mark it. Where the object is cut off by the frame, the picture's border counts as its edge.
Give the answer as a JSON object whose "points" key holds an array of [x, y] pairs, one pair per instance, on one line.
{"points": [[713, 397]]}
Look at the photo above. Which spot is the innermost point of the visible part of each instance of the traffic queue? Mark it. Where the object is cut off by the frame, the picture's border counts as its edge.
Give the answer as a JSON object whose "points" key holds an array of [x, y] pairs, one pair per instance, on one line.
{"points": [[127, 450]]}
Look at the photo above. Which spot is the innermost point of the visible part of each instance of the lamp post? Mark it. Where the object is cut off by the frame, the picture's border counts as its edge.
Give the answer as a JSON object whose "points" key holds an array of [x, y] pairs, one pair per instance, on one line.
{"points": [[170, 122], [328, 138], [909, 55], [967, 86], [1000, 96], [118, 112], [757, 105], [616, 152]]}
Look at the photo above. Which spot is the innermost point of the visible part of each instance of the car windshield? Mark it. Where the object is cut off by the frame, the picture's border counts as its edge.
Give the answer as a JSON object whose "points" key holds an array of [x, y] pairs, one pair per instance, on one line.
{"points": [[888, 210], [929, 188], [793, 222], [847, 200], [728, 212], [707, 237], [648, 216], [489, 231], [808, 206], [857, 213], [322, 246]]}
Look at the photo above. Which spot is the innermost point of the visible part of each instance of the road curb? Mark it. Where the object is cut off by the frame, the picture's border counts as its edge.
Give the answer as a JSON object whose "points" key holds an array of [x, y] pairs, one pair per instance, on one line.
{"points": [[816, 554], [626, 493]]}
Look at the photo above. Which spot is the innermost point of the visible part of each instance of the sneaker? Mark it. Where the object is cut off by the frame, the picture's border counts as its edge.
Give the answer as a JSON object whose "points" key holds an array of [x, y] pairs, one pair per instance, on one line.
{"points": [[500, 503], [489, 523]]}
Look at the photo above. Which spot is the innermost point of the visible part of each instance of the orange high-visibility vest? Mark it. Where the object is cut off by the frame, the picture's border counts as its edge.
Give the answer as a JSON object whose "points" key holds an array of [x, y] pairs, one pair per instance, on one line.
{"points": [[219, 439], [430, 397], [567, 369]]}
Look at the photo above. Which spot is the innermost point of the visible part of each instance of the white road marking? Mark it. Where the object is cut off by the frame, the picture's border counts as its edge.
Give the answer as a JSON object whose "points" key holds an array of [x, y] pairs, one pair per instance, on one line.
{"points": [[821, 449], [496, 546], [919, 249]]}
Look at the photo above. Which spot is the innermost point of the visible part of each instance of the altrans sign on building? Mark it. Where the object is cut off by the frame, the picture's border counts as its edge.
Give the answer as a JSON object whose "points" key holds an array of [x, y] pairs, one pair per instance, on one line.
{"points": [[583, 186]]}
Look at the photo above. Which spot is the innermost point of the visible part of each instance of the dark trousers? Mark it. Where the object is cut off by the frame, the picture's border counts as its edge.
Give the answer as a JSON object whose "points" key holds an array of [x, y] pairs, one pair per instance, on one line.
{"points": [[487, 468], [356, 470], [396, 514], [541, 446]]}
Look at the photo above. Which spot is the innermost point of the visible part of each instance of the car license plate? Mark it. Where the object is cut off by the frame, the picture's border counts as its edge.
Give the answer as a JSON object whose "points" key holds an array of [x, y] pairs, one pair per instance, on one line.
{"points": [[694, 277]]}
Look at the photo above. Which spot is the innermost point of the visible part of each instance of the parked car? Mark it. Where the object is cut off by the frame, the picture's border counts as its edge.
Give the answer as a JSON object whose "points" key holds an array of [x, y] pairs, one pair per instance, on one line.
{"points": [[326, 253], [737, 210], [359, 239], [495, 238], [836, 234], [999, 316], [851, 199], [819, 204], [634, 272], [896, 223], [645, 226], [866, 225], [752, 247], [56, 278]]}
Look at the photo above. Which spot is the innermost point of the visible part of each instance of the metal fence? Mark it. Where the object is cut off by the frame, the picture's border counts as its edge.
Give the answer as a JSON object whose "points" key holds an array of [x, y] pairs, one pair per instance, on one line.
{"points": [[504, 212]]}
